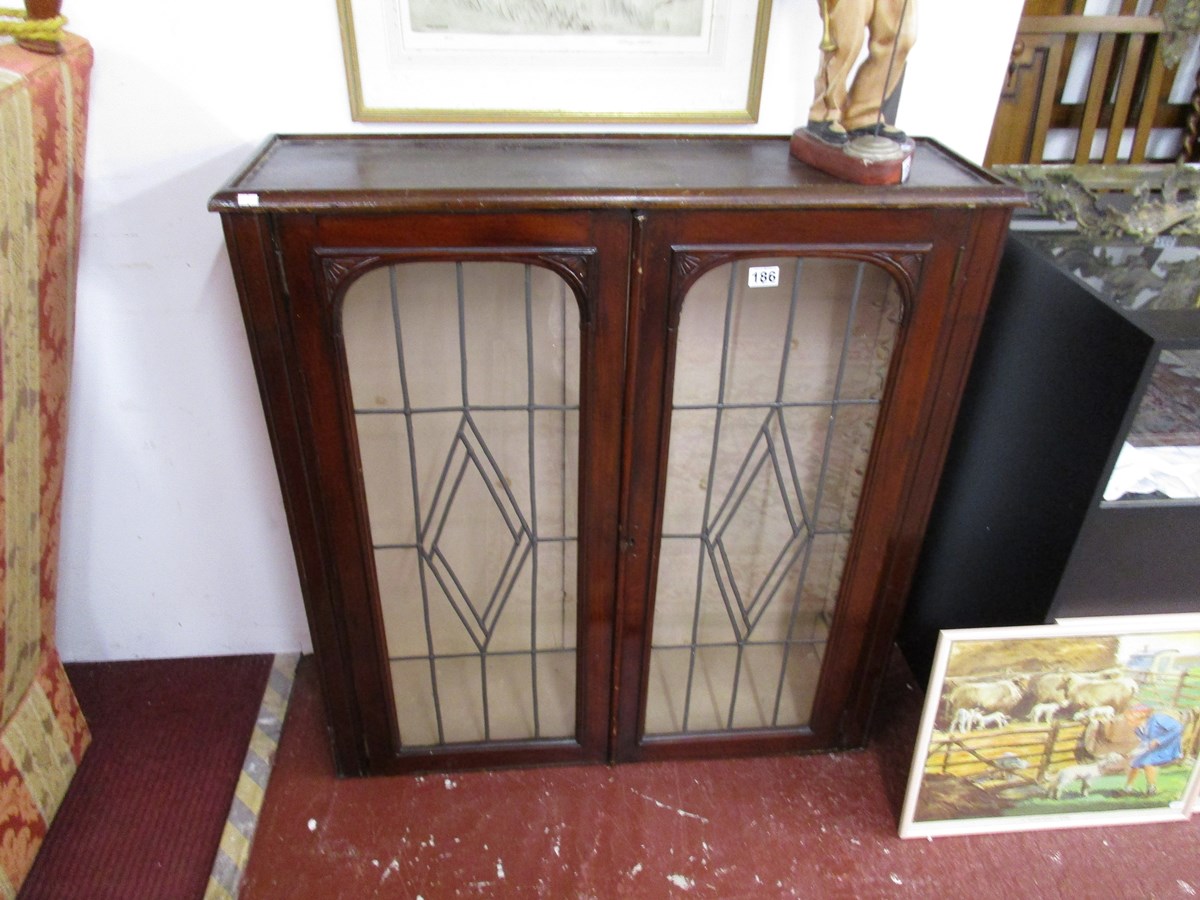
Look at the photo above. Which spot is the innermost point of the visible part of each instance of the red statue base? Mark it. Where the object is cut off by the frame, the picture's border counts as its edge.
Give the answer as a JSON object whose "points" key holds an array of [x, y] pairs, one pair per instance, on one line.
{"points": [[869, 160]]}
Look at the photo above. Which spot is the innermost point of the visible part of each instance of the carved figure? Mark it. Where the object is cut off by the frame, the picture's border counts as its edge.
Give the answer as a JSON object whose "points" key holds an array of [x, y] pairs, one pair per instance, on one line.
{"points": [[845, 135], [843, 109]]}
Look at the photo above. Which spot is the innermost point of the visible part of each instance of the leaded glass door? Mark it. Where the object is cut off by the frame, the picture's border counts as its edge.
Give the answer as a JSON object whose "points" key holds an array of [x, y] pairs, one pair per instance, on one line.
{"points": [[465, 382], [775, 374], [776, 393], [466, 401]]}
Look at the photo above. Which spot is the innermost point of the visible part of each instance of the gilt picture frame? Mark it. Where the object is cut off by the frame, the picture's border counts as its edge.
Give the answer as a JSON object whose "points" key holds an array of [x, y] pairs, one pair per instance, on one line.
{"points": [[556, 61], [1058, 726]]}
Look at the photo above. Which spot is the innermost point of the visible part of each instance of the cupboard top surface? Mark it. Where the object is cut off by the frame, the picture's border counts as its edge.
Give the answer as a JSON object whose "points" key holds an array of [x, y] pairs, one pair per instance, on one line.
{"points": [[405, 173]]}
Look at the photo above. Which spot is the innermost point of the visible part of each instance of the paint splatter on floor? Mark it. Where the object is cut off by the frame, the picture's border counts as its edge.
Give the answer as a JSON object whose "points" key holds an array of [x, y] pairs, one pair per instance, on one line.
{"points": [[785, 826]]}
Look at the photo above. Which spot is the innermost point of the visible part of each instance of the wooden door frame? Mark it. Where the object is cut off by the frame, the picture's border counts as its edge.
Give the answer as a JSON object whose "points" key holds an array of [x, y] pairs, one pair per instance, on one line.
{"points": [[944, 300], [323, 255]]}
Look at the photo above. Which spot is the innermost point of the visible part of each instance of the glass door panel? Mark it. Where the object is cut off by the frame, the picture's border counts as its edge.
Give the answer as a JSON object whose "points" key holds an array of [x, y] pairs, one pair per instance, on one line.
{"points": [[465, 385], [777, 390]]}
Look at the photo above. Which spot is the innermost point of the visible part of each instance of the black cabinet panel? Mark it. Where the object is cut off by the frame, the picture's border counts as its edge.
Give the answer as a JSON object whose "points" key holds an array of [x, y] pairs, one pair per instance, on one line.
{"points": [[1020, 533]]}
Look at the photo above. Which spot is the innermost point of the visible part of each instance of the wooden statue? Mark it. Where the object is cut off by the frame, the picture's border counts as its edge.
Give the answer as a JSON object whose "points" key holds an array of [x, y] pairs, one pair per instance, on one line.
{"points": [[846, 135]]}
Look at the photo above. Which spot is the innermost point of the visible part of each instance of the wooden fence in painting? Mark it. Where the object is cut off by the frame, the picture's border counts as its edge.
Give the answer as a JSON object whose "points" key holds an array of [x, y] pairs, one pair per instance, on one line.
{"points": [[1175, 690], [1019, 750]]}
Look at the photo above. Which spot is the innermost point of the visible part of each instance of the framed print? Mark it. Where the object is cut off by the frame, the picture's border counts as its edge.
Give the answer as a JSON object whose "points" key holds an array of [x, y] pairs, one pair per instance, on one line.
{"points": [[676, 61], [1055, 726]]}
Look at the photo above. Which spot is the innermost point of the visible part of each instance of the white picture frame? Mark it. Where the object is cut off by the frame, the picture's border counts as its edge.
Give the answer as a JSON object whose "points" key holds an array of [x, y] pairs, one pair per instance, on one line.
{"points": [[1028, 772], [517, 62]]}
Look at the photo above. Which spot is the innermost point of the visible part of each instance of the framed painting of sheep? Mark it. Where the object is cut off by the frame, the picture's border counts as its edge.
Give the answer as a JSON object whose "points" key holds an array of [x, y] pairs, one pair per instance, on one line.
{"points": [[1057, 726]]}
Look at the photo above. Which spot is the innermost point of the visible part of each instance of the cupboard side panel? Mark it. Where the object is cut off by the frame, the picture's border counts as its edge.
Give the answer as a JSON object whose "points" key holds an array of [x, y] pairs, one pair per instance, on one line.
{"points": [[262, 293], [954, 303]]}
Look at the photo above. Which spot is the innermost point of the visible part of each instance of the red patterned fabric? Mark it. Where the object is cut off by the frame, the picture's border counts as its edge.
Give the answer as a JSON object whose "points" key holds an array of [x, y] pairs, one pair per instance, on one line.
{"points": [[53, 681], [21, 826], [43, 735]]}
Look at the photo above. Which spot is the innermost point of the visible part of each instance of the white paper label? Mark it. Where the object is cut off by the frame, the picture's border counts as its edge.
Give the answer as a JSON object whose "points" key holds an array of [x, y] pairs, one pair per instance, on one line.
{"points": [[247, 199], [763, 276]]}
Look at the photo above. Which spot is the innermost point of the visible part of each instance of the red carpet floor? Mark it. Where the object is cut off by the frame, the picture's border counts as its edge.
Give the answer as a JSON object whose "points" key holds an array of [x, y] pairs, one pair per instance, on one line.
{"points": [[812, 827], [145, 812]]}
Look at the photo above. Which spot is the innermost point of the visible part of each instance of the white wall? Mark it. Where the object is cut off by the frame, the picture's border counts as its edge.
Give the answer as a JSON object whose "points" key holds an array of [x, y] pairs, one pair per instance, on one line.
{"points": [[174, 540]]}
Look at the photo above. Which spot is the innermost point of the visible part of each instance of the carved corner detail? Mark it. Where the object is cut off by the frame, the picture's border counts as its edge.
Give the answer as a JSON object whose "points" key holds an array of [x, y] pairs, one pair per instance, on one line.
{"points": [[577, 269], [338, 269], [906, 268], [686, 265]]}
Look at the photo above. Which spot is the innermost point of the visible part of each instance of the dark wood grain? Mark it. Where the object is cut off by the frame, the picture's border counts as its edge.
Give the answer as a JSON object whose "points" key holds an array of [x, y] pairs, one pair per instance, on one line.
{"points": [[393, 174]]}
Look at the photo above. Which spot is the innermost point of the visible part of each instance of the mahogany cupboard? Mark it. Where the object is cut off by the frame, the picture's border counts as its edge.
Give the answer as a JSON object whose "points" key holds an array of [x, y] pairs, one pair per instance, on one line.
{"points": [[603, 448]]}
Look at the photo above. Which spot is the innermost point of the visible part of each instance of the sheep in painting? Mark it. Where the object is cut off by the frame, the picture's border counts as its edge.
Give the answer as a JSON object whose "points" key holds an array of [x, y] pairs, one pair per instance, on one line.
{"points": [[1044, 712], [994, 696], [1086, 692], [1085, 774], [993, 720], [1050, 688], [966, 720], [1095, 714]]}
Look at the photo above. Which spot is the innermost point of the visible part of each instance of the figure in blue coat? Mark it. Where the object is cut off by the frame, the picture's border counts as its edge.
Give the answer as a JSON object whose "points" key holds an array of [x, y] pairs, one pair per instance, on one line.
{"points": [[1161, 737]]}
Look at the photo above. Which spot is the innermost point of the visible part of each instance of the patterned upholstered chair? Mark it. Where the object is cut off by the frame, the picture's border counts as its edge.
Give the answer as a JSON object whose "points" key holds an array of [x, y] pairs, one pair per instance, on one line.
{"points": [[43, 735]]}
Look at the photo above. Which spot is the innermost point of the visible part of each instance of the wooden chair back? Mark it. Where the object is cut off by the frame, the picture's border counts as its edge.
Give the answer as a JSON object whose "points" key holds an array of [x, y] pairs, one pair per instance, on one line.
{"points": [[1126, 94]]}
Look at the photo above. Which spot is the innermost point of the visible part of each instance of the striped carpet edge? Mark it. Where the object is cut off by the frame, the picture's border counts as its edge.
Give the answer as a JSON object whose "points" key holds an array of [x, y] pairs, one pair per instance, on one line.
{"points": [[234, 850]]}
